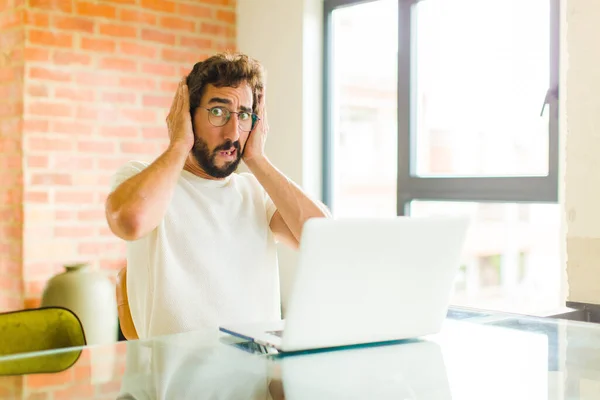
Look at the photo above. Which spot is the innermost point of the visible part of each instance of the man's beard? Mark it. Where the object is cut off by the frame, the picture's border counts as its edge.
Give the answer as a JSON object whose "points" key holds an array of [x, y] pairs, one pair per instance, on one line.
{"points": [[207, 159]]}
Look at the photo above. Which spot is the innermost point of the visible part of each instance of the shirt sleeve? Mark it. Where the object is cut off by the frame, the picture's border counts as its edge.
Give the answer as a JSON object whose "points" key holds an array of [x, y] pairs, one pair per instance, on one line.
{"points": [[125, 172]]}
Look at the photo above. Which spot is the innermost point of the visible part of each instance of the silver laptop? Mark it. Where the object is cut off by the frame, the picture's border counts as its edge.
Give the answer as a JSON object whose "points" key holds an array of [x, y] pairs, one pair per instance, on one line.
{"points": [[361, 281]]}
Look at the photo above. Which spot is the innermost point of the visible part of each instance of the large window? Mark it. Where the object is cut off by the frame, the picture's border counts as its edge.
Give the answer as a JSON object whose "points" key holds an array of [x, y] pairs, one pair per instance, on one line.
{"points": [[451, 107]]}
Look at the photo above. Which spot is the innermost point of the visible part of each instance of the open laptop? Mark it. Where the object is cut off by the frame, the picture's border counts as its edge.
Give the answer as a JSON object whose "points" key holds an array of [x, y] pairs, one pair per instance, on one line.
{"points": [[369, 280]]}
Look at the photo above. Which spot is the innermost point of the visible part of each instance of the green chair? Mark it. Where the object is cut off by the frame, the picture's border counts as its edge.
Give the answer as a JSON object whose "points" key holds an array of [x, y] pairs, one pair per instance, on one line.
{"points": [[25, 333]]}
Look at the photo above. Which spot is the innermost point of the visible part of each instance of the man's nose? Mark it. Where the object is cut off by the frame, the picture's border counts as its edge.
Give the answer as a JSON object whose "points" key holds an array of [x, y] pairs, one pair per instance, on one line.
{"points": [[231, 130]]}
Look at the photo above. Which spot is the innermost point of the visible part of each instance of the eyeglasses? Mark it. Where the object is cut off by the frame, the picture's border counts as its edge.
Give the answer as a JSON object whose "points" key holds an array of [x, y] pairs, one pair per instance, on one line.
{"points": [[219, 116]]}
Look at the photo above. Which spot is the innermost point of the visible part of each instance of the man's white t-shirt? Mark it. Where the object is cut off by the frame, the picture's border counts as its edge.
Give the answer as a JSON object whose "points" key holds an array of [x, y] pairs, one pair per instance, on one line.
{"points": [[212, 260]]}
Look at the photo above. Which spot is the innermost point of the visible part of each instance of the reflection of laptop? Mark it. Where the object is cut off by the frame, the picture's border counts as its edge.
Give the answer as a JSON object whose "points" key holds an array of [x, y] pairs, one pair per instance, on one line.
{"points": [[366, 280], [407, 371]]}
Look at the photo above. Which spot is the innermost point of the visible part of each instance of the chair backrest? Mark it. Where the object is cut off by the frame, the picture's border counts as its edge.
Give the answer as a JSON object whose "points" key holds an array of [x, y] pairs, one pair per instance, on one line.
{"points": [[125, 320]]}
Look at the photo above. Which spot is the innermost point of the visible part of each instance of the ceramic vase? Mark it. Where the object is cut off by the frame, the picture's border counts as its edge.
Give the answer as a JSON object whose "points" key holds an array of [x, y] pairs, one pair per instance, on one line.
{"points": [[88, 294]]}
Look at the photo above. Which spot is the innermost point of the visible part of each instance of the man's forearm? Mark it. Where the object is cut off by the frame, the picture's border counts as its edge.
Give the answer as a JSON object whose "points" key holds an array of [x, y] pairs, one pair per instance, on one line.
{"points": [[292, 203], [138, 204]]}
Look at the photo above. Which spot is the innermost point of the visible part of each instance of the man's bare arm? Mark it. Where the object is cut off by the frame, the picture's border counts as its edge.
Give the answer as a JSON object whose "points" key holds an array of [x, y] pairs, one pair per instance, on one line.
{"points": [[137, 205]]}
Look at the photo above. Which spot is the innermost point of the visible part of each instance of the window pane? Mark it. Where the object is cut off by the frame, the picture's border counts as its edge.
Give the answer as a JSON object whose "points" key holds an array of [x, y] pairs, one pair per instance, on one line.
{"points": [[511, 259], [364, 109], [481, 74]]}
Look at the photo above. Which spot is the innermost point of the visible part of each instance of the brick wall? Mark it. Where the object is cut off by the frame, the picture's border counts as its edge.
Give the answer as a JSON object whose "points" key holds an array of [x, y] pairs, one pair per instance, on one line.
{"points": [[11, 172], [99, 79]]}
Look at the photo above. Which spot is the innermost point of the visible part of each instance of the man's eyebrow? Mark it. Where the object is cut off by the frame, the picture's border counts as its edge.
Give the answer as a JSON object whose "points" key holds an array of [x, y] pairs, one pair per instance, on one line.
{"points": [[221, 100]]}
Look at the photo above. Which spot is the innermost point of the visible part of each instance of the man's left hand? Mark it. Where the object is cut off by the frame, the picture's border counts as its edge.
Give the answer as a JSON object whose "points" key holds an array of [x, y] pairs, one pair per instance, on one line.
{"points": [[255, 145]]}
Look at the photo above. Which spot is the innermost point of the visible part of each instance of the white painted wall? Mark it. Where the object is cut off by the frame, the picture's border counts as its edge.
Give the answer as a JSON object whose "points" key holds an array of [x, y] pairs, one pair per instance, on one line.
{"points": [[582, 165], [286, 37]]}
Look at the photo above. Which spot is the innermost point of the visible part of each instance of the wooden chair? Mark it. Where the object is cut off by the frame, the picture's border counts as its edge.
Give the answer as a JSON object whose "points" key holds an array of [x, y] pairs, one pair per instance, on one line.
{"points": [[125, 320]]}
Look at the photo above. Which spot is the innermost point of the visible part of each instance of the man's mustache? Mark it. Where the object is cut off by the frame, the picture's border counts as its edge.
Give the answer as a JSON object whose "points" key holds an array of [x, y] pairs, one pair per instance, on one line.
{"points": [[228, 145]]}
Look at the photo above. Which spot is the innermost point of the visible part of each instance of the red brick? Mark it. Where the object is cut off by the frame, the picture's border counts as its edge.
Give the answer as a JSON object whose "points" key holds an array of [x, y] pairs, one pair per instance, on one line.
{"points": [[66, 58], [36, 54], [159, 5], [78, 94], [50, 109], [9, 144], [96, 78], [220, 2], [217, 30], [95, 146], [141, 116], [157, 101], [180, 56], [73, 23], [93, 9], [112, 163], [226, 16], [73, 231], [37, 19], [11, 19], [46, 38], [119, 30], [159, 69], [73, 163], [127, 131], [37, 90], [118, 64], [169, 86], [13, 39], [45, 380], [72, 197], [8, 162], [199, 43], [52, 5], [49, 74], [153, 35], [42, 143], [81, 391], [9, 74], [37, 161], [104, 45], [36, 197], [11, 110], [179, 24], [72, 127], [85, 112], [136, 83], [153, 133], [51, 179], [194, 10], [90, 215], [97, 248], [137, 16], [136, 49], [32, 125], [119, 97], [138, 147]]}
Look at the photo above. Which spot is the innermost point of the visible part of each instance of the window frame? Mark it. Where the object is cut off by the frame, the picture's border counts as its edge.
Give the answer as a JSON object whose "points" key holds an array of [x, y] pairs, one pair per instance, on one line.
{"points": [[523, 189]]}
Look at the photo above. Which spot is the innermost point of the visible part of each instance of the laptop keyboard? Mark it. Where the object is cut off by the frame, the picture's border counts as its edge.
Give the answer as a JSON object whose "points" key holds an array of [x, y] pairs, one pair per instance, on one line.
{"points": [[276, 333]]}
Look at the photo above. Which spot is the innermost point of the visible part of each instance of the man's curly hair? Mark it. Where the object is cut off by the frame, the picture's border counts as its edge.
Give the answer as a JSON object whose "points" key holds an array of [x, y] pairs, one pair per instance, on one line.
{"points": [[225, 70]]}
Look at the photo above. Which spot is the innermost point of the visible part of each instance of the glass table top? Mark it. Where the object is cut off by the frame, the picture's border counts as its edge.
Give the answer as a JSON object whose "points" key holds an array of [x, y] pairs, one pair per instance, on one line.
{"points": [[477, 355]]}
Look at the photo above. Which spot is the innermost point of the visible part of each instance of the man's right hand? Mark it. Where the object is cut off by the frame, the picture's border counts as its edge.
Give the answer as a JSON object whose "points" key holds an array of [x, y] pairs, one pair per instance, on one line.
{"points": [[179, 120]]}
